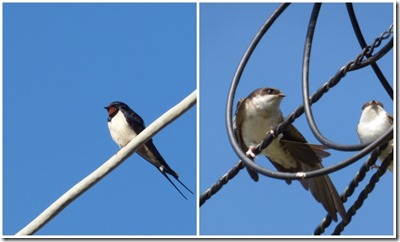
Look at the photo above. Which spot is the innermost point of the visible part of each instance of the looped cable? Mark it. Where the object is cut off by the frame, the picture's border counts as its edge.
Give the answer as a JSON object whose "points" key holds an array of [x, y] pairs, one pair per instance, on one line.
{"points": [[352, 65], [367, 57]]}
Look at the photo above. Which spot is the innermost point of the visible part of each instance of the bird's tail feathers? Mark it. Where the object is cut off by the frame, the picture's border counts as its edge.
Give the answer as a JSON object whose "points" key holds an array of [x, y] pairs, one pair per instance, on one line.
{"points": [[184, 186], [167, 169], [325, 192], [173, 184], [253, 174]]}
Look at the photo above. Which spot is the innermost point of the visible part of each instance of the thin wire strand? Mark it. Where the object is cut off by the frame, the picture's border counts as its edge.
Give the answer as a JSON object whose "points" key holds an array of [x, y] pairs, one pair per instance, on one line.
{"points": [[363, 44]]}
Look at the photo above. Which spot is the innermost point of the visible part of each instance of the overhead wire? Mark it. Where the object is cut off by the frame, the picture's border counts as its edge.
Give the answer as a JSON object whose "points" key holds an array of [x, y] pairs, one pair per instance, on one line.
{"points": [[367, 57]]}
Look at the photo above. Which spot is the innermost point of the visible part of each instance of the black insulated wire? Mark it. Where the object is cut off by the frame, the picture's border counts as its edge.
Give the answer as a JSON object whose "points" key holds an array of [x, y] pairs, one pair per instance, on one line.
{"points": [[363, 44], [365, 58]]}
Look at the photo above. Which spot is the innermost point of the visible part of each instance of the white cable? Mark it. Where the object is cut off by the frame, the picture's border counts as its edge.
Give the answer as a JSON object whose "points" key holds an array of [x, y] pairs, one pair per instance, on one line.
{"points": [[109, 165]]}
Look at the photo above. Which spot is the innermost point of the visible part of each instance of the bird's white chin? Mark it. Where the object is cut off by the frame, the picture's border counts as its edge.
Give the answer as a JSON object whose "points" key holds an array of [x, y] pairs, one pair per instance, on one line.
{"points": [[266, 102]]}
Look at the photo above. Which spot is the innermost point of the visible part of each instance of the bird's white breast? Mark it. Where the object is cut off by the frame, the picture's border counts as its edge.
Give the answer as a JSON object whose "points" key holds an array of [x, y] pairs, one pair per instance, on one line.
{"points": [[120, 130], [254, 129], [372, 125]]}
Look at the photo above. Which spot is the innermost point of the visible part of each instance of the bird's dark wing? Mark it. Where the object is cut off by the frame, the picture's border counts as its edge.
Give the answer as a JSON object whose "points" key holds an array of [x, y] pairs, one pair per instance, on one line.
{"points": [[134, 120], [149, 150], [237, 124], [150, 153], [324, 191], [306, 153], [308, 158]]}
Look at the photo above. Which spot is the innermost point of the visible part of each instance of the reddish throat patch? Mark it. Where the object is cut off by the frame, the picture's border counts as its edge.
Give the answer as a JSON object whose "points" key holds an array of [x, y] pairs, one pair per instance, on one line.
{"points": [[112, 111]]}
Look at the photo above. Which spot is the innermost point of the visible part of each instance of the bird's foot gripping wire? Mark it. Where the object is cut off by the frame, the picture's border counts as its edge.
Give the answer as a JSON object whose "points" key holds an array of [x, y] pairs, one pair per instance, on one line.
{"points": [[250, 152]]}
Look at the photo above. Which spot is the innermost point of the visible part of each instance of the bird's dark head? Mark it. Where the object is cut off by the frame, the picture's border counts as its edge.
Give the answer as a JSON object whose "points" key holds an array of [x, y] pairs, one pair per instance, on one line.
{"points": [[373, 104], [266, 99], [373, 107], [267, 91], [114, 107]]}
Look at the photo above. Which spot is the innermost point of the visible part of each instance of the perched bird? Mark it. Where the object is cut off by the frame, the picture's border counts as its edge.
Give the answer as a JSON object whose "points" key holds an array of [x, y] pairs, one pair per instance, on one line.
{"points": [[124, 125], [374, 122], [258, 114]]}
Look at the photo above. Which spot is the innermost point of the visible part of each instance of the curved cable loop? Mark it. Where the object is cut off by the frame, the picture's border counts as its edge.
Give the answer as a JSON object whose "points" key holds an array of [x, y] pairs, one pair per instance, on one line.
{"points": [[374, 148], [240, 165], [242, 64], [366, 148], [351, 66], [235, 82], [323, 171]]}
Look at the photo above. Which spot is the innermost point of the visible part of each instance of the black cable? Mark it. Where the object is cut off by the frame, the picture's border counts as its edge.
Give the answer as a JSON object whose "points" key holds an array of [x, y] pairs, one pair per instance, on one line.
{"points": [[366, 167], [221, 182], [363, 44], [239, 71], [353, 65], [240, 165], [365, 192], [315, 173], [365, 58]]}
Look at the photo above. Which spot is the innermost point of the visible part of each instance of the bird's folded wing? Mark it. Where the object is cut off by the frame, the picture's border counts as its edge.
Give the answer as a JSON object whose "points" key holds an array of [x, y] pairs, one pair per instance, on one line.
{"points": [[306, 153]]}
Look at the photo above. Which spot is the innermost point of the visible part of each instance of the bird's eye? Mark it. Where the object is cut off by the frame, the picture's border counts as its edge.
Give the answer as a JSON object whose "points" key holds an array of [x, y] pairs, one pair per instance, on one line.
{"points": [[269, 90]]}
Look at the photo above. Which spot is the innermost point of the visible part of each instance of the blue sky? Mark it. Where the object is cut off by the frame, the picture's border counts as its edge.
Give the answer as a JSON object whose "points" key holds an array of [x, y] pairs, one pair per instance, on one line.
{"points": [[271, 207], [63, 63]]}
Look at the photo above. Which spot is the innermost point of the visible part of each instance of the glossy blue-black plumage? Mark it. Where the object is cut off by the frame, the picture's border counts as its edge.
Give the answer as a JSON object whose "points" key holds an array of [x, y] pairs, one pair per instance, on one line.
{"points": [[137, 124]]}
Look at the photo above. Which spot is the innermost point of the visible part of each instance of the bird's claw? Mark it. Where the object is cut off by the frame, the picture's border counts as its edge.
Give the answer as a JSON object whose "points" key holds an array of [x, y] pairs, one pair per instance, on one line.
{"points": [[250, 152], [272, 132]]}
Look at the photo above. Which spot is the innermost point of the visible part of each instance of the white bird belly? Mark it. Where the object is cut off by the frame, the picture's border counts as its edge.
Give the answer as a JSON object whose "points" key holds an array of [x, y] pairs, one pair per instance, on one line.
{"points": [[120, 130], [254, 130], [371, 130]]}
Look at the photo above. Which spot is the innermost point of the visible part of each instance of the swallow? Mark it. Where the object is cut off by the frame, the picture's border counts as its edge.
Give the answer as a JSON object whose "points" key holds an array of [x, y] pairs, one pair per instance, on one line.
{"points": [[260, 113], [124, 125], [374, 122]]}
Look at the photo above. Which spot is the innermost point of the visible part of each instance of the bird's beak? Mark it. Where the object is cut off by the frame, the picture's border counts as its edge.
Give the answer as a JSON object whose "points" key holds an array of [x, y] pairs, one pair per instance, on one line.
{"points": [[281, 95]]}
